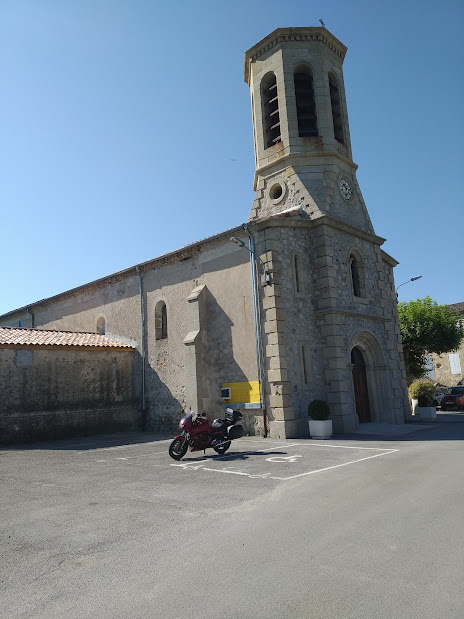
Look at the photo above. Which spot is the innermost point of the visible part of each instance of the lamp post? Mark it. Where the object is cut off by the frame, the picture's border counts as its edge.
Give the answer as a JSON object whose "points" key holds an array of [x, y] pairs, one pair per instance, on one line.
{"points": [[257, 324], [413, 279]]}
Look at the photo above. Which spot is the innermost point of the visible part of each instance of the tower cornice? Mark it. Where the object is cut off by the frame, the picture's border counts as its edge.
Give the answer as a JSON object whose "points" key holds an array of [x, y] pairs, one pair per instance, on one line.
{"points": [[300, 158], [292, 34]]}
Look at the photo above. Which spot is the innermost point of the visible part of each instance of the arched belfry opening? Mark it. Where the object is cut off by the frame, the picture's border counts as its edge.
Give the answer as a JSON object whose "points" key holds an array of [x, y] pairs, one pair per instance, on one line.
{"points": [[305, 101], [271, 118], [336, 109]]}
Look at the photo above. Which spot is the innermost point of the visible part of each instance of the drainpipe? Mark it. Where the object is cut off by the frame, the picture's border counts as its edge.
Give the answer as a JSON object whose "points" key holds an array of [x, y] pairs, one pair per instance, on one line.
{"points": [[142, 344], [257, 320], [31, 313]]}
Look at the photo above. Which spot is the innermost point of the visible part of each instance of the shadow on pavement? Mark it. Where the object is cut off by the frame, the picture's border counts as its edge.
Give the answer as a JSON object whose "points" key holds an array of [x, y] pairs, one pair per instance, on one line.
{"points": [[447, 426], [83, 443], [232, 456]]}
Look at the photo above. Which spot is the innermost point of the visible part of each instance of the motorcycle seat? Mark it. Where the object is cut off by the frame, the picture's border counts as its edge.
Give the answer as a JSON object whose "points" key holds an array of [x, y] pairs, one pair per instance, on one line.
{"points": [[218, 424]]}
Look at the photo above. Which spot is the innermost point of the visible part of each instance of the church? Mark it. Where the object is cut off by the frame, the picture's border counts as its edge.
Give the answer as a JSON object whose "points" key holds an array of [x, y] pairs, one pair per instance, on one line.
{"points": [[296, 304]]}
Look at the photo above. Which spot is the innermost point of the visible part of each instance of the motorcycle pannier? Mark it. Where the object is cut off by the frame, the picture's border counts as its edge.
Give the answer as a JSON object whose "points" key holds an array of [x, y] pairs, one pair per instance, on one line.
{"points": [[233, 416], [234, 432]]}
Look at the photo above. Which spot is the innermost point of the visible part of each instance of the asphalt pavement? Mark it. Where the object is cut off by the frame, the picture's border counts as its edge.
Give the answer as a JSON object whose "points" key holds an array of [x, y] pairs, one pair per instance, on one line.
{"points": [[364, 525]]}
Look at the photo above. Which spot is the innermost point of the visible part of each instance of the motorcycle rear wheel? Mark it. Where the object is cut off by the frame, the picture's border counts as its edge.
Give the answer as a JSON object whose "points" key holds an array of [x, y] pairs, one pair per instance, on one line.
{"points": [[178, 448], [222, 448]]}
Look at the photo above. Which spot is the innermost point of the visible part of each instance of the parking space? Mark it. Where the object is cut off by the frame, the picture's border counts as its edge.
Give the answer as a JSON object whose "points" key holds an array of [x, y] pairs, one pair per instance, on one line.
{"points": [[251, 457]]}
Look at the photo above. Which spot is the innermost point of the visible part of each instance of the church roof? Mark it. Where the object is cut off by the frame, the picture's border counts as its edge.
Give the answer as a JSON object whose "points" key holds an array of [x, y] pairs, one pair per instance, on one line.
{"points": [[17, 337]]}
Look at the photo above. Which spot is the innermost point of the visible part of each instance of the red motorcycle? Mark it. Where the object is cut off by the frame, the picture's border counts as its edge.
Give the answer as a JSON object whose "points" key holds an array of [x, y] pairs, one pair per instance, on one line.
{"points": [[197, 433]]}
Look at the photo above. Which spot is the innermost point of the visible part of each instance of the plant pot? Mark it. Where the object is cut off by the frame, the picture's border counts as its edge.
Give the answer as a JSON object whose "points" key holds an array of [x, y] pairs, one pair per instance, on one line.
{"points": [[427, 412], [320, 429]]}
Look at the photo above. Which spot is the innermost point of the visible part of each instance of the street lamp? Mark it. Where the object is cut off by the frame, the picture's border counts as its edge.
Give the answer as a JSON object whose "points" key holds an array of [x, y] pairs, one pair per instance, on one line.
{"points": [[254, 286], [413, 279]]}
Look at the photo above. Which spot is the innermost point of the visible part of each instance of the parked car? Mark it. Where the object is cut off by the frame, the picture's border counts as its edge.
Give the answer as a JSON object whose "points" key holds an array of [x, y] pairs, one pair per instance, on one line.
{"points": [[453, 399], [437, 398]]}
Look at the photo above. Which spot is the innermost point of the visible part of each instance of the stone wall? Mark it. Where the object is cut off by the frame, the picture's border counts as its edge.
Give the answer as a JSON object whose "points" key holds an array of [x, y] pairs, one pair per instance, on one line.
{"points": [[59, 393], [312, 320]]}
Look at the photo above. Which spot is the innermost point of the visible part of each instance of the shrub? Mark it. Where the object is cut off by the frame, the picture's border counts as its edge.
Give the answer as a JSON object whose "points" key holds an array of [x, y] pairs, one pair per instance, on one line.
{"points": [[318, 410], [425, 400], [423, 390]]}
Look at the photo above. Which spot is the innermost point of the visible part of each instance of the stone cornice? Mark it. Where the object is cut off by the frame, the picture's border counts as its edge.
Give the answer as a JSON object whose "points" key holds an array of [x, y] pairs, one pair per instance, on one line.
{"points": [[389, 259], [353, 314], [297, 222], [283, 35], [287, 159]]}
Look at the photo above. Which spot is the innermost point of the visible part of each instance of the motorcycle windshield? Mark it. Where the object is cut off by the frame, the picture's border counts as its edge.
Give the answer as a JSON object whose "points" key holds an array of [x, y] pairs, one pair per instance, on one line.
{"points": [[187, 420]]}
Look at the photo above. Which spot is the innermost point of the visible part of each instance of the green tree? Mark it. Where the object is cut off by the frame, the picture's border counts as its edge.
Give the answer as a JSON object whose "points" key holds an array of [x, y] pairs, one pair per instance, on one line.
{"points": [[426, 327]]}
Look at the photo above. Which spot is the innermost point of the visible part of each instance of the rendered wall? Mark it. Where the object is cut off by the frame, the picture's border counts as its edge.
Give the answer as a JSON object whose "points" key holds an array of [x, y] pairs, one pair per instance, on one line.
{"points": [[229, 351], [58, 393]]}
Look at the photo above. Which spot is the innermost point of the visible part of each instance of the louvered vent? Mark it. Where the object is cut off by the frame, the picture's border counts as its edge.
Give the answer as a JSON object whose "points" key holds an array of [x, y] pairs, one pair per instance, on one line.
{"points": [[336, 108], [270, 111], [305, 103]]}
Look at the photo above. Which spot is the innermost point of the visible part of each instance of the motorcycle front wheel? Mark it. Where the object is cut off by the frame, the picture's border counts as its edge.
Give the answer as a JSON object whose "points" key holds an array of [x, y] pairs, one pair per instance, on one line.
{"points": [[222, 448], [178, 448]]}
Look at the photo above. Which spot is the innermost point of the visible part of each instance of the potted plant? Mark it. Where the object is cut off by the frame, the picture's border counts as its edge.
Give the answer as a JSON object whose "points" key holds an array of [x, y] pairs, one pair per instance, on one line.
{"points": [[320, 426], [423, 391]]}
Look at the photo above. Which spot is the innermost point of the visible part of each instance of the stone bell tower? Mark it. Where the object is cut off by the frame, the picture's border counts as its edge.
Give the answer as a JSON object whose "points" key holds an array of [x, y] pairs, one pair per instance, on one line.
{"points": [[300, 127], [327, 297]]}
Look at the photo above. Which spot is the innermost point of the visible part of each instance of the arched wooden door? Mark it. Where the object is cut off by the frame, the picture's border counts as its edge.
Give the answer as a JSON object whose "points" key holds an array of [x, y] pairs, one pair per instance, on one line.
{"points": [[361, 393]]}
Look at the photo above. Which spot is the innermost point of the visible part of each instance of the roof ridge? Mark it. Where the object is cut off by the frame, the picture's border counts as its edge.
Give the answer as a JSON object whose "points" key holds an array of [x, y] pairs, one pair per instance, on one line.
{"points": [[51, 330]]}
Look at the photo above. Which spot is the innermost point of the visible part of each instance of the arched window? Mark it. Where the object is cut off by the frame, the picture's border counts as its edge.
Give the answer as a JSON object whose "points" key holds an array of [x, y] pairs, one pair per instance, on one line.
{"points": [[270, 103], [336, 108], [357, 275], [101, 326], [305, 102], [161, 321]]}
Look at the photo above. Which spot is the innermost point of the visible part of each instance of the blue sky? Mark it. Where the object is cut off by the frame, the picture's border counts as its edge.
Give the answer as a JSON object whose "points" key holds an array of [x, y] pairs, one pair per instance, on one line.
{"points": [[125, 132]]}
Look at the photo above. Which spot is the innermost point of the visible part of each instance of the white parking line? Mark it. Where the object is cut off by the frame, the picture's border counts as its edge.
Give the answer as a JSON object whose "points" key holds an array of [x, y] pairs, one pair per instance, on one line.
{"points": [[200, 464], [336, 466]]}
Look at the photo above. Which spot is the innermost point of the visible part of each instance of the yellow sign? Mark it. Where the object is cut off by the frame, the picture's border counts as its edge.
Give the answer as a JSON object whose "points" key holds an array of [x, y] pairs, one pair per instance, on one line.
{"points": [[243, 393]]}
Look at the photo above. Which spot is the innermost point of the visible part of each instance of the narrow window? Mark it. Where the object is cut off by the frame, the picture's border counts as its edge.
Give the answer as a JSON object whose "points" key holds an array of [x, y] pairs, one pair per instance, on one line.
{"points": [[304, 361], [101, 326], [297, 275], [297, 281], [270, 102], [336, 108], [161, 321], [20, 323], [164, 323], [357, 276], [305, 102]]}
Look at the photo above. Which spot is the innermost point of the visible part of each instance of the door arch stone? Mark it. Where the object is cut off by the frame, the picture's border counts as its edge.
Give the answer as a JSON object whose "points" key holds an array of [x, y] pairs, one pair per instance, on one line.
{"points": [[376, 375]]}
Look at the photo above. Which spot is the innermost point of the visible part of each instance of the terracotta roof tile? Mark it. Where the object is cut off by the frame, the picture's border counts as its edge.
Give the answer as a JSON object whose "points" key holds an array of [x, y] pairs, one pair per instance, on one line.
{"points": [[43, 337]]}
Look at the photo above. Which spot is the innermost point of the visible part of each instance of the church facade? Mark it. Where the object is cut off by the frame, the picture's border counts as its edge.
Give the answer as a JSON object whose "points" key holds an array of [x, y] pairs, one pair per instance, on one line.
{"points": [[294, 305]]}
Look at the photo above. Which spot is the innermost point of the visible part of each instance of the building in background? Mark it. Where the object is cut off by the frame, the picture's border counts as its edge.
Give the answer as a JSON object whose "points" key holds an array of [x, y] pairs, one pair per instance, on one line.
{"points": [[312, 315], [449, 367]]}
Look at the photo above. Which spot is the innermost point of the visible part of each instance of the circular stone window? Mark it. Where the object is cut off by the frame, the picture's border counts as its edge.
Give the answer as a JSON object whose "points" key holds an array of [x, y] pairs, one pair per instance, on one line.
{"points": [[277, 192]]}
